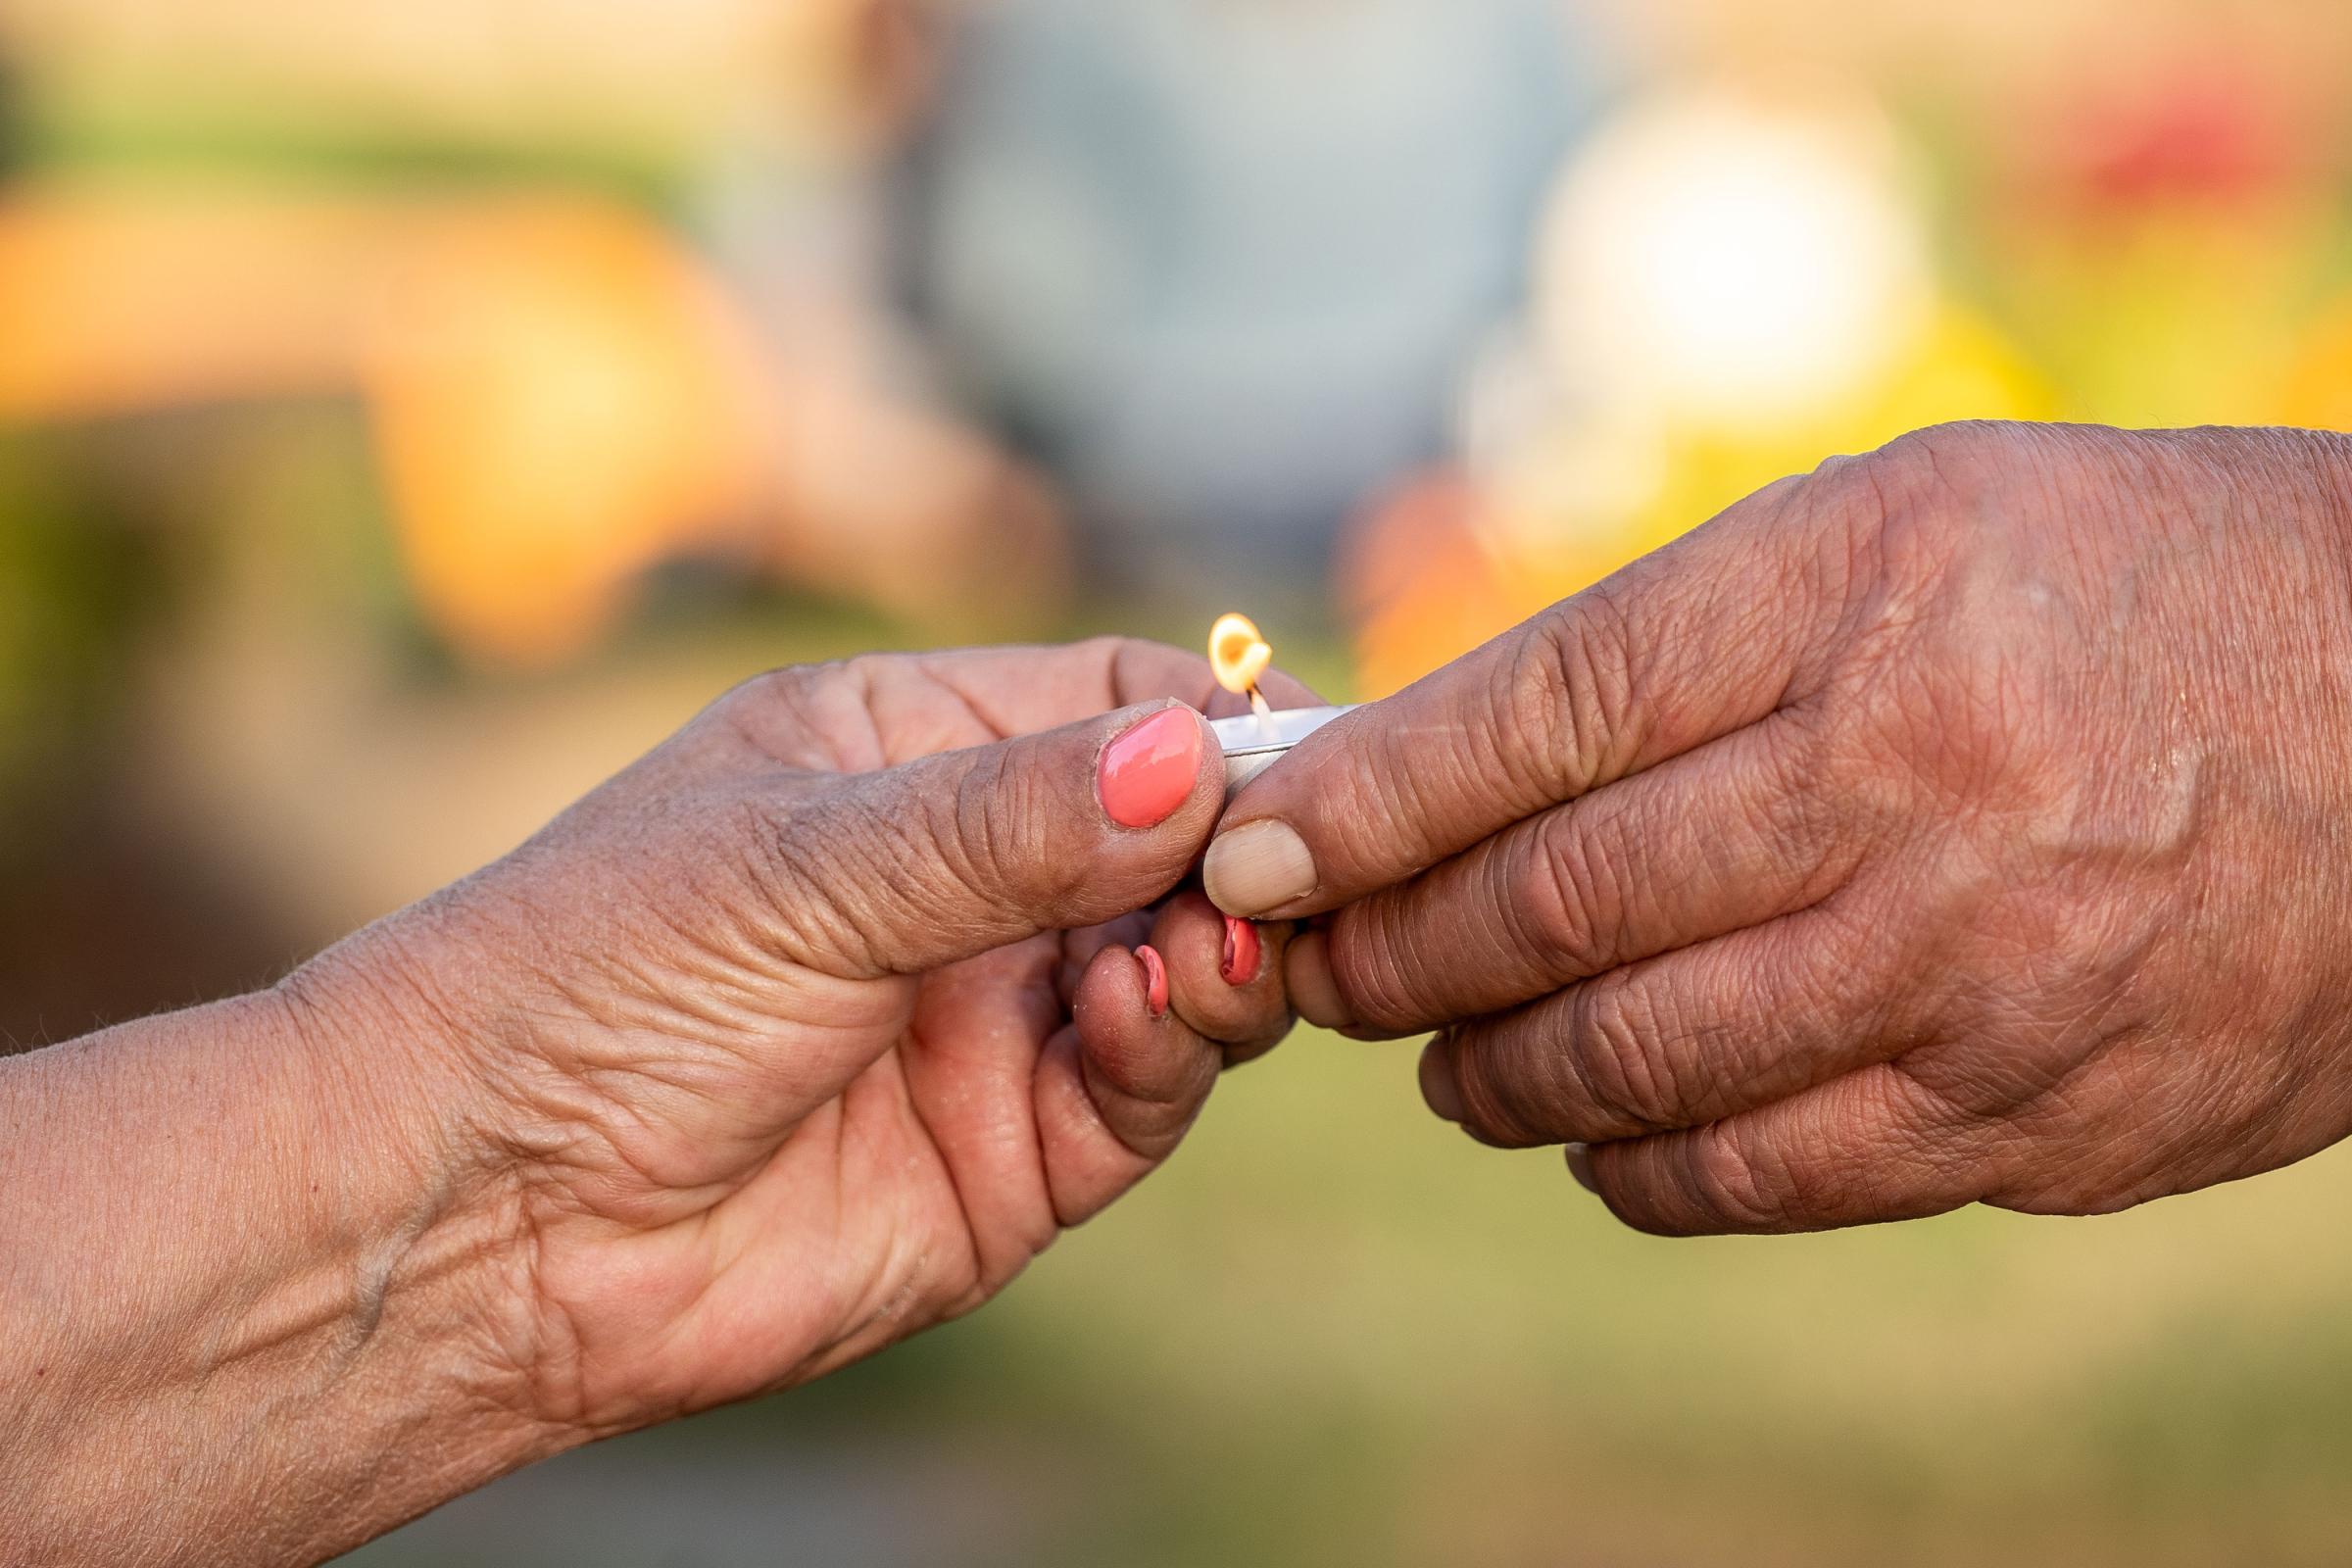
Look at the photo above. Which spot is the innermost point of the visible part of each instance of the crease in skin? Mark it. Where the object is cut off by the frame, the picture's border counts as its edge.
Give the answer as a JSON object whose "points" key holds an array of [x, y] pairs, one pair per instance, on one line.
{"points": [[913, 1103], [341, 1305], [340, 1299], [1439, 740]]}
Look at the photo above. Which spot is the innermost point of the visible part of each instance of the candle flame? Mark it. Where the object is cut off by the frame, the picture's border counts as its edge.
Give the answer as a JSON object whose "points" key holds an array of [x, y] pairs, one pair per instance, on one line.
{"points": [[1239, 655]]}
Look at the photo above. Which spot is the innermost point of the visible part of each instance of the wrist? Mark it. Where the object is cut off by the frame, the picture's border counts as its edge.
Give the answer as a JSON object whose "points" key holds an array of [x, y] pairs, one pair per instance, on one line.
{"points": [[254, 1261], [407, 1052], [418, 1287], [449, 1019]]}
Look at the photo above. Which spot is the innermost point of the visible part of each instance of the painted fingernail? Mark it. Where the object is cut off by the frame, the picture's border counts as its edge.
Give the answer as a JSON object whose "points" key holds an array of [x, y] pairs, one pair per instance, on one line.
{"points": [[1150, 770], [1438, 1087], [1307, 975], [1580, 1166], [1244, 955], [1156, 980], [1258, 867]]}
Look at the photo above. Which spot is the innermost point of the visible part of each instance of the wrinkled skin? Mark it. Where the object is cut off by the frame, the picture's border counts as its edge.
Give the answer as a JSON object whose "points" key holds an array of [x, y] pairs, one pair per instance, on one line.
{"points": [[1964, 823], [814, 1026]]}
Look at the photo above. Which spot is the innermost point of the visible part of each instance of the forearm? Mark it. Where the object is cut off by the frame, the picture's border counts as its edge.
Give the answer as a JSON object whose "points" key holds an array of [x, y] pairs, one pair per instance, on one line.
{"points": [[252, 1288]]}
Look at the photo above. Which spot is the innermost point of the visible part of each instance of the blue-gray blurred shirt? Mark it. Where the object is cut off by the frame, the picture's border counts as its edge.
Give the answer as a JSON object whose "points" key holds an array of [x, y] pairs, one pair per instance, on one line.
{"points": [[1221, 264]]}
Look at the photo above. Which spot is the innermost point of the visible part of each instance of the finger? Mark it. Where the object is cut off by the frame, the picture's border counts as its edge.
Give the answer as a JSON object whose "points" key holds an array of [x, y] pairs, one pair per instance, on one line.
{"points": [[1078, 948], [1710, 843], [908, 869], [1691, 643], [1022, 690], [799, 716], [1874, 1145], [1689, 1038], [1117, 1090], [1224, 976]]}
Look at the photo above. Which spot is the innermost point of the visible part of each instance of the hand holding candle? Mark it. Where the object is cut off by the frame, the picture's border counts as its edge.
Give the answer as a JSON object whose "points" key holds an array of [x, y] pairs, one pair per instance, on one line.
{"points": [[1197, 973], [1958, 823], [806, 1032]]}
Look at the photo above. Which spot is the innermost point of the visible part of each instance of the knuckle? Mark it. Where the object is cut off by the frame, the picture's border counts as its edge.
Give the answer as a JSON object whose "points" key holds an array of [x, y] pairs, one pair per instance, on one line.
{"points": [[1565, 899], [783, 692], [1376, 979], [797, 714], [1153, 1093], [1504, 1102], [865, 671], [1111, 650], [769, 688], [996, 840], [1616, 1048], [810, 860], [1830, 800], [1951, 462], [1567, 697], [1374, 807], [1910, 505], [1731, 1190], [1139, 665], [1930, 444]]}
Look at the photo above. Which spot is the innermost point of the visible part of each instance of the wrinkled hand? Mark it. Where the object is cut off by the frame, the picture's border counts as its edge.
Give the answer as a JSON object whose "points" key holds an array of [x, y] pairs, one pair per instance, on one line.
{"points": [[814, 1027], [1965, 822]]}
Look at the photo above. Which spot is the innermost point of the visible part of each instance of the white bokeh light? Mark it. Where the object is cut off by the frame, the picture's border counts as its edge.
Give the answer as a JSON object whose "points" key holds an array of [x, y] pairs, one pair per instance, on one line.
{"points": [[1733, 263]]}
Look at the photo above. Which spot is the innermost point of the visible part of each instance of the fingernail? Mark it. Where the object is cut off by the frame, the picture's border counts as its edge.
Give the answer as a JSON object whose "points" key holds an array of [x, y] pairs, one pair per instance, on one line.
{"points": [[1307, 975], [1150, 770], [1438, 1087], [1244, 955], [1257, 868], [1156, 980], [1580, 1166]]}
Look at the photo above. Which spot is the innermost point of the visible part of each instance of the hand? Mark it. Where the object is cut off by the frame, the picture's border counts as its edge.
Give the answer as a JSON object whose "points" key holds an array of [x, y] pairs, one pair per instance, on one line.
{"points": [[808, 1031], [1960, 823]]}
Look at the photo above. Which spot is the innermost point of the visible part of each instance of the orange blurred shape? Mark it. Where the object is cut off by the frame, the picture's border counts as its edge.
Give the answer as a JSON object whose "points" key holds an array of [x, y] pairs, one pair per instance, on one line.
{"points": [[561, 399], [1418, 583], [2318, 390], [557, 393], [116, 300]]}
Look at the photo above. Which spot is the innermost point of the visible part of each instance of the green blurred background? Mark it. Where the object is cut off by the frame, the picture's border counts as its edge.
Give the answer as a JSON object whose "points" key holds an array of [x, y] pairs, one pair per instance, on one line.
{"points": [[412, 410]]}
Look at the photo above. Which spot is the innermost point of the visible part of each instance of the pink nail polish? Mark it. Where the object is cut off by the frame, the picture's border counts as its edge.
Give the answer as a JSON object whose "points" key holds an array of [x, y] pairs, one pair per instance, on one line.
{"points": [[1242, 953], [1156, 981], [1150, 771]]}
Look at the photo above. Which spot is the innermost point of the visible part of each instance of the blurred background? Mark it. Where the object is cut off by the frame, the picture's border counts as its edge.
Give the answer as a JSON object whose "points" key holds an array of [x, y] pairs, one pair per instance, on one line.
{"points": [[411, 409]]}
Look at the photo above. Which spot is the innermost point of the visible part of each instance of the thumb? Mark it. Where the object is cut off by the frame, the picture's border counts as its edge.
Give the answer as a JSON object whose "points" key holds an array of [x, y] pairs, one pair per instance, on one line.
{"points": [[904, 871]]}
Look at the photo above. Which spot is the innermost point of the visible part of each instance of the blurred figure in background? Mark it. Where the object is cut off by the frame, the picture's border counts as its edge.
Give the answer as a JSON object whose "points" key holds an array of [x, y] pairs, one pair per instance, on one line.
{"points": [[1214, 271], [1219, 265]]}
